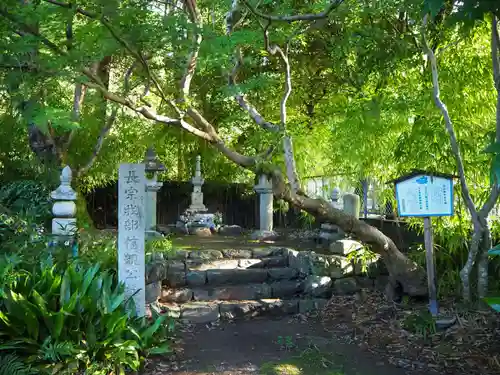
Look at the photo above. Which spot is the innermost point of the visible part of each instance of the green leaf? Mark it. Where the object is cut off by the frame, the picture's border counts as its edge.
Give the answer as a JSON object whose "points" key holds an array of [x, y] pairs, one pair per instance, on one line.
{"points": [[493, 148], [162, 349], [65, 292], [495, 170], [150, 331]]}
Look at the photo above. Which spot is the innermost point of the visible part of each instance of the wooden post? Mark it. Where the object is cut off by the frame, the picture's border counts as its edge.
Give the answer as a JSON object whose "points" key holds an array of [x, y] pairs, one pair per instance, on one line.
{"points": [[431, 270]]}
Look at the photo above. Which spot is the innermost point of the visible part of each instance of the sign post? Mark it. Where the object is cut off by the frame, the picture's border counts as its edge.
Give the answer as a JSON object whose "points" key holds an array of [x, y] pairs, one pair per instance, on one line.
{"points": [[131, 236], [426, 195], [431, 268]]}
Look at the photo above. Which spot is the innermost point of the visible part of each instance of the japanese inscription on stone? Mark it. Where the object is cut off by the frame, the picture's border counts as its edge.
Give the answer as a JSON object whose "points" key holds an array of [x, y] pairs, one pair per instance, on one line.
{"points": [[131, 227]]}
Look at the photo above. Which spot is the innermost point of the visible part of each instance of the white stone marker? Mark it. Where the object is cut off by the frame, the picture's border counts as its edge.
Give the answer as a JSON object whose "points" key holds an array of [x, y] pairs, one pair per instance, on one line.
{"points": [[131, 232], [265, 191], [64, 208]]}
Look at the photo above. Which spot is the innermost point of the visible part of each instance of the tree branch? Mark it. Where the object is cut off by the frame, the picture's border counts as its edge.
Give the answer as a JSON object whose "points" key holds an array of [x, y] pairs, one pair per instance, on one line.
{"points": [[100, 141], [291, 167], [334, 4], [242, 101], [192, 60], [449, 125]]}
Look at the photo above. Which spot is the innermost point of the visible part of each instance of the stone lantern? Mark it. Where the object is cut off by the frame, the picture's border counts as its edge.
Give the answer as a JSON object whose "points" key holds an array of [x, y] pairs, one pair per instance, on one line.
{"points": [[152, 167], [64, 210]]}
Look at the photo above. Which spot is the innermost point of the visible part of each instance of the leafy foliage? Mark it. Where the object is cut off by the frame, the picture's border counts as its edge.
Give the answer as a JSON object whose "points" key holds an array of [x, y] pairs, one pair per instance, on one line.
{"points": [[74, 319], [11, 364]]}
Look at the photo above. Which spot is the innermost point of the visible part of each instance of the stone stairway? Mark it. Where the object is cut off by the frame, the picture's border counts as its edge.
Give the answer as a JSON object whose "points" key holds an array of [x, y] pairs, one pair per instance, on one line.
{"points": [[206, 285]]}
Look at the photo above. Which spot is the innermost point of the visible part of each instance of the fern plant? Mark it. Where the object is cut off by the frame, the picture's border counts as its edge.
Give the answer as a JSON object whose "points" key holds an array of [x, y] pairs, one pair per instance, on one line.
{"points": [[11, 364], [66, 320]]}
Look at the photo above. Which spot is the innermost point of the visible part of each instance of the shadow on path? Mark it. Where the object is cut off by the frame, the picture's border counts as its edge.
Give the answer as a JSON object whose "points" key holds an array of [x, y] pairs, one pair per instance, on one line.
{"points": [[274, 347]]}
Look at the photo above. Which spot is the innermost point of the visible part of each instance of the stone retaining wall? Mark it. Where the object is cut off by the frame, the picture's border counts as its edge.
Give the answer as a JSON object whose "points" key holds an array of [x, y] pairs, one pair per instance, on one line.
{"points": [[258, 273]]}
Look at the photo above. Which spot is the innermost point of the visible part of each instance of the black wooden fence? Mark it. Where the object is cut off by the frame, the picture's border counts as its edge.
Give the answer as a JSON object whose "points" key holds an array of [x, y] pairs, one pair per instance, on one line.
{"points": [[238, 203]]}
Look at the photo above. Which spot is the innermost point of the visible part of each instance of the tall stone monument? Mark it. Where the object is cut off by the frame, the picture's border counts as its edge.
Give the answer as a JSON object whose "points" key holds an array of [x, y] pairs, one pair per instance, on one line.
{"points": [[197, 195], [265, 190], [131, 232], [352, 204]]}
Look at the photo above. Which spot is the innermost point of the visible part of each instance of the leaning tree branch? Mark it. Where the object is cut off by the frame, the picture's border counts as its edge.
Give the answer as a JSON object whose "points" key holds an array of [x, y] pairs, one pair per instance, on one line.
{"points": [[192, 60], [334, 4], [449, 125]]}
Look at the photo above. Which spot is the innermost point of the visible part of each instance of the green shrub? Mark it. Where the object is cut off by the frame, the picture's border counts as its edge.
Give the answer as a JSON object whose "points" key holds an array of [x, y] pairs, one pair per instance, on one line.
{"points": [[28, 199], [20, 234], [11, 364], [64, 321]]}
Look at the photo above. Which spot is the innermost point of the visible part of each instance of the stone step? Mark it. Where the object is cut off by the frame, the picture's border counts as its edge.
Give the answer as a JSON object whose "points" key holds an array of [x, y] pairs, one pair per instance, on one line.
{"points": [[211, 311], [231, 264], [285, 289]]}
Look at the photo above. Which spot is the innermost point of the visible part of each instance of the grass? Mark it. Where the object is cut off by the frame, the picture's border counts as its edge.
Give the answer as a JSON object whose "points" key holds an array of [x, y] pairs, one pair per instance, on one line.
{"points": [[311, 361]]}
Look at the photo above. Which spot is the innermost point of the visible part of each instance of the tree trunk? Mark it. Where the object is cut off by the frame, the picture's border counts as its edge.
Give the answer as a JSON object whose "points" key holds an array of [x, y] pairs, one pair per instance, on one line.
{"points": [[469, 264], [401, 269], [482, 264]]}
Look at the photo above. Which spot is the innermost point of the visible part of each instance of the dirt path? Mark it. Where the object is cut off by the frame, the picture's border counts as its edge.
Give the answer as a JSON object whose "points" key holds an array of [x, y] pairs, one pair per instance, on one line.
{"points": [[272, 347]]}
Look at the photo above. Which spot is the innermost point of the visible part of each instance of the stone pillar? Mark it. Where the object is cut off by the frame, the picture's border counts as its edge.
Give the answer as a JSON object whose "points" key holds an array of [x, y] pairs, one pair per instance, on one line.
{"points": [[352, 204], [64, 210], [197, 195], [265, 191], [152, 188]]}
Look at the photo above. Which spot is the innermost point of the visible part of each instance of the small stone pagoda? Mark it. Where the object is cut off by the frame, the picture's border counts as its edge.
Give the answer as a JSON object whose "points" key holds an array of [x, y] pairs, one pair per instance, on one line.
{"points": [[196, 215]]}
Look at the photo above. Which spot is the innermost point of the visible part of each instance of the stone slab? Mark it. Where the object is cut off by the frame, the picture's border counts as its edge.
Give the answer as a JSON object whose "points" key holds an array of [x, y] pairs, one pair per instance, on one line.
{"points": [[285, 273], [200, 313], [176, 279], [198, 265], [181, 295], [172, 310], [280, 307], [239, 309], [206, 255], [344, 247], [155, 271], [237, 254], [200, 231], [178, 255], [249, 263], [233, 292], [176, 275], [347, 285], [318, 286], [176, 266], [301, 261], [153, 292], [237, 276], [286, 288], [262, 252], [196, 278], [231, 230], [268, 262]]}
